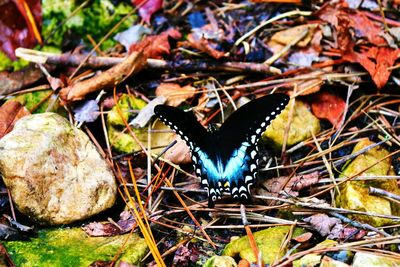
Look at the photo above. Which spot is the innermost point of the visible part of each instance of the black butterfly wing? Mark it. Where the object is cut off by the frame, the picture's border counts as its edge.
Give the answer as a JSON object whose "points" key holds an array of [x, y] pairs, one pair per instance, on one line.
{"points": [[183, 123], [197, 138], [240, 134]]}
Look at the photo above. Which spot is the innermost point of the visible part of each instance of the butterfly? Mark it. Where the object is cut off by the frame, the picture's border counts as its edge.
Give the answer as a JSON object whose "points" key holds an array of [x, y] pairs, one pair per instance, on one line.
{"points": [[226, 159]]}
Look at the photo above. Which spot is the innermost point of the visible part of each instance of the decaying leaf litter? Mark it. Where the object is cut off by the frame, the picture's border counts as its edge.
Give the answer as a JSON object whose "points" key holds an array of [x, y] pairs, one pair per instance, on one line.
{"points": [[327, 191]]}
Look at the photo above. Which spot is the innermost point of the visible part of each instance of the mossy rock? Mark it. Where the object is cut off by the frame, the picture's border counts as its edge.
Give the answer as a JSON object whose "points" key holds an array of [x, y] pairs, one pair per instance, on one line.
{"points": [[268, 241], [353, 195], [72, 247]]}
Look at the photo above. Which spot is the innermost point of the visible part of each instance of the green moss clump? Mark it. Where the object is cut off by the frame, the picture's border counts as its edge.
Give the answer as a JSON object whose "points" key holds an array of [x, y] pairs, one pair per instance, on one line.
{"points": [[94, 20], [72, 247], [268, 242]]}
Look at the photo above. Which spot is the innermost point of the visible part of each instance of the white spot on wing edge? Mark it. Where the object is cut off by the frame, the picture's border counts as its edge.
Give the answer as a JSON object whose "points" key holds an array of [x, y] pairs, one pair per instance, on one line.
{"points": [[248, 178], [253, 167]]}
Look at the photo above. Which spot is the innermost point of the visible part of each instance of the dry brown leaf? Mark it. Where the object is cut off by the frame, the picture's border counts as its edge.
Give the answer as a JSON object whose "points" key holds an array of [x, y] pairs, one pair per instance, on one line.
{"points": [[303, 238], [293, 186], [10, 112], [174, 93], [156, 46], [285, 37], [107, 79], [322, 223], [179, 153]]}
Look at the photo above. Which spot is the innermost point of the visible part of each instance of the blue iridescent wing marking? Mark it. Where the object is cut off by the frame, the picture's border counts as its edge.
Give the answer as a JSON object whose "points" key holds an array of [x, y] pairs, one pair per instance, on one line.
{"points": [[226, 159], [240, 134], [190, 130]]}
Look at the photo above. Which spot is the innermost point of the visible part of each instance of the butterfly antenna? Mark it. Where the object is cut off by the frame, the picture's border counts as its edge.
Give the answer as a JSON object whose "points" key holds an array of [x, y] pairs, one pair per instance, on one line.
{"points": [[166, 149]]}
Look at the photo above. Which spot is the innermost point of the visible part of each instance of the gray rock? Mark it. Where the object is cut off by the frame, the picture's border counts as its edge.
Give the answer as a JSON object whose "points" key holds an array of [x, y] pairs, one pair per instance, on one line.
{"points": [[54, 172]]}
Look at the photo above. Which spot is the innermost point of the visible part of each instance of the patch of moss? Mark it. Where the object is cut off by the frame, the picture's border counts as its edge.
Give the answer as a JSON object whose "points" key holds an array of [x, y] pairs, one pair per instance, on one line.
{"points": [[120, 139], [268, 242], [72, 247], [40, 102], [354, 195]]}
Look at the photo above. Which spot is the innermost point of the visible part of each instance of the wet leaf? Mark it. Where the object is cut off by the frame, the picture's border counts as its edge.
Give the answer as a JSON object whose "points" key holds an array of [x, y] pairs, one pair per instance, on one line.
{"points": [[322, 223], [292, 187], [377, 61], [156, 46], [203, 39], [174, 93], [10, 113], [132, 35], [326, 105]]}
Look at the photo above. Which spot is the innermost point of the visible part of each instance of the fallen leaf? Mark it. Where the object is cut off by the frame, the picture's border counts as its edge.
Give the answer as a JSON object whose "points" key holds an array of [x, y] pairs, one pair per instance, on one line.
{"points": [[365, 27], [342, 232], [124, 225], [244, 263], [292, 187], [342, 18], [376, 61], [328, 106], [14, 81], [287, 36], [147, 8], [107, 79], [322, 223], [87, 111], [132, 35], [156, 46], [303, 238], [10, 113], [16, 30], [174, 93], [186, 255], [202, 39], [101, 229], [179, 153]]}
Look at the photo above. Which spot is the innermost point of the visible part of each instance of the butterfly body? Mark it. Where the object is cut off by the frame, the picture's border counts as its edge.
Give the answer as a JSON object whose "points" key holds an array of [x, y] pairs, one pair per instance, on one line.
{"points": [[226, 159]]}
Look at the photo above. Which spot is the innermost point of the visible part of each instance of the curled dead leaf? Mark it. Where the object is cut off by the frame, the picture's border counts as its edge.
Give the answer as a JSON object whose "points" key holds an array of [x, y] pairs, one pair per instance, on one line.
{"points": [[107, 79], [174, 93], [10, 113]]}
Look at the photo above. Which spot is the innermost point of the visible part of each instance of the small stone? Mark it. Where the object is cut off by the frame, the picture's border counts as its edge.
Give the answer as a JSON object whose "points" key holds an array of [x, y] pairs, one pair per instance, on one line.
{"points": [[53, 171]]}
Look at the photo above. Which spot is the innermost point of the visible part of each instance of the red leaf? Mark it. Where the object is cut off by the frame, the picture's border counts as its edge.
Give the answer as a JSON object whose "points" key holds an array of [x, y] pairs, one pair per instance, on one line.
{"points": [[328, 106], [197, 41], [156, 46], [10, 112], [384, 57], [364, 27], [147, 8], [16, 30]]}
